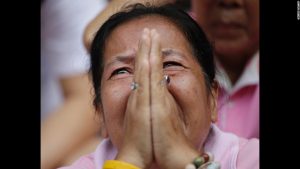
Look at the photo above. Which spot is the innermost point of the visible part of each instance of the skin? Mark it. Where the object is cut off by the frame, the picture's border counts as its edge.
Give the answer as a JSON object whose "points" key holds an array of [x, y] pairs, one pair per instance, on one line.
{"points": [[63, 140], [233, 26], [156, 124], [113, 7]]}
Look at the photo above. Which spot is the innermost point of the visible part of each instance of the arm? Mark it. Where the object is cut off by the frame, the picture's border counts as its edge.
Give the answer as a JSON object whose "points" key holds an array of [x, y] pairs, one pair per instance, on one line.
{"points": [[71, 125], [112, 8]]}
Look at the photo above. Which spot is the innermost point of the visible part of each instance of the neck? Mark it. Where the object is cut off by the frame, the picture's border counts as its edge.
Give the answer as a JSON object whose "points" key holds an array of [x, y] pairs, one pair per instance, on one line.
{"points": [[233, 67], [233, 73]]}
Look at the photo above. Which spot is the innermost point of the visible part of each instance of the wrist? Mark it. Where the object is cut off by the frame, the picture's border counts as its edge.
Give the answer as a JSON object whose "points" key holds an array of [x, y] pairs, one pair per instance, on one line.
{"points": [[183, 159], [178, 157], [132, 157]]}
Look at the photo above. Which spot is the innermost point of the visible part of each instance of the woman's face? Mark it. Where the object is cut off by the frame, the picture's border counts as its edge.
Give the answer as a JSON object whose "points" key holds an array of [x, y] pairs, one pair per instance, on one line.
{"points": [[233, 25], [187, 84]]}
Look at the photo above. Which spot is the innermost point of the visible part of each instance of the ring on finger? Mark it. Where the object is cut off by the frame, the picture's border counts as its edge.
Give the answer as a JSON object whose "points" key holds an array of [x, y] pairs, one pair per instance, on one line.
{"points": [[134, 85], [166, 80]]}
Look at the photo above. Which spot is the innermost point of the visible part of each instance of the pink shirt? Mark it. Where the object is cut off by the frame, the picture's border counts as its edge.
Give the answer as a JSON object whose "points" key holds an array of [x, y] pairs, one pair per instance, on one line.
{"points": [[238, 105], [229, 150]]}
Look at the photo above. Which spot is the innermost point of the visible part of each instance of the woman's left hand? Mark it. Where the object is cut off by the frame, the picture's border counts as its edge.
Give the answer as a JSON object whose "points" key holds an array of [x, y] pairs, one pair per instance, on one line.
{"points": [[171, 147]]}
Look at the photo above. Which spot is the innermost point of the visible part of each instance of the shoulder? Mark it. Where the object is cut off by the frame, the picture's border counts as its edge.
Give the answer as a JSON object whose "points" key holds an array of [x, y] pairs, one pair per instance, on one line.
{"points": [[86, 162], [104, 151], [248, 155]]}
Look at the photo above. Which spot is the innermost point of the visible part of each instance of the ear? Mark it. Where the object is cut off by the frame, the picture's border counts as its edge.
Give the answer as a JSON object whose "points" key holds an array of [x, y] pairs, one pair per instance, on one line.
{"points": [[213, 101]]}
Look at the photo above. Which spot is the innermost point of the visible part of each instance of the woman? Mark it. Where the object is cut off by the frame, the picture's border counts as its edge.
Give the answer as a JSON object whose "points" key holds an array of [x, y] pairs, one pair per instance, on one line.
{"points": [[153, 77]]}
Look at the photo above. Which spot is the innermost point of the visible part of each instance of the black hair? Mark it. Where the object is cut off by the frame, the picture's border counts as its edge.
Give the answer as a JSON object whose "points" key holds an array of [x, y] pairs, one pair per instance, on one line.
{"points": [[201, 47]]}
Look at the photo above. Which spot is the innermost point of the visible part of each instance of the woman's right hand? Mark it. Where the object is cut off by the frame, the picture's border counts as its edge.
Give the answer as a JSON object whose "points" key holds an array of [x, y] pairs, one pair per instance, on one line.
{"points": [[136, 148]]}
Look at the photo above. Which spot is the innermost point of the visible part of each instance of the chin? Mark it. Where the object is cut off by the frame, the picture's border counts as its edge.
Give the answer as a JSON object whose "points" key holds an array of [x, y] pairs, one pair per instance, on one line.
{"points": [[232, 48]]}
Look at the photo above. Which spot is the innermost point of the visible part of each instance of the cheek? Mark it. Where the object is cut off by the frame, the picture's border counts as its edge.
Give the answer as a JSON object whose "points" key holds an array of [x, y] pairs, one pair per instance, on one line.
{"points": [[189, 92], [114, 100], [203, 12], [186, 87], [253, 24]]}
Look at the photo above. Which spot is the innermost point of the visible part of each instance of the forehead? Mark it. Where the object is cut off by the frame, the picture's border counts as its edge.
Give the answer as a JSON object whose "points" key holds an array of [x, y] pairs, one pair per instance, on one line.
{"points": [[151, 21], [127, 35]]}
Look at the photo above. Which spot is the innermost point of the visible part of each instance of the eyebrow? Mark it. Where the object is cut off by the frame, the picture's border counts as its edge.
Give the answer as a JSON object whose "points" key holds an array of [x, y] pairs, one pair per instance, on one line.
{"points": [[124, 57], [169, 51], [128, 56]]}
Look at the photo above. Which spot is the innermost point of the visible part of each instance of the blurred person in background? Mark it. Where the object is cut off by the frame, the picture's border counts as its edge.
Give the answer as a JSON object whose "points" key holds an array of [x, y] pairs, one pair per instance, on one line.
{"points": [[233, 27], [68, 124]]}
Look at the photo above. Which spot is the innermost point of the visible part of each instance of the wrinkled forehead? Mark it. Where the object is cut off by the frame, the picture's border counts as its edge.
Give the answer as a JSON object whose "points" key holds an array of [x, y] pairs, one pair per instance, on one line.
{"points": [[127, 34], [152, 21]]}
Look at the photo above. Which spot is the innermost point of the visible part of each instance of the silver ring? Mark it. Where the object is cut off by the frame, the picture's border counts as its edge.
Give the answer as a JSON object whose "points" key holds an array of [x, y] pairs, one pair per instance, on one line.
{"points": [[134, 85], [165, 80]]}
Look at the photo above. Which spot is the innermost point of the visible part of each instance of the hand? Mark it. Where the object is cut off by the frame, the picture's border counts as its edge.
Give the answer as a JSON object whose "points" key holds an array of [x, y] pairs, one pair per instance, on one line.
{"points": [[153, 131], [171, 147], [137, 144]]}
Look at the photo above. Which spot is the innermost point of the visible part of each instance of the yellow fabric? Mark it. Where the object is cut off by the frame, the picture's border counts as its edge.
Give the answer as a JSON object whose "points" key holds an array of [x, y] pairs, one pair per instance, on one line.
{"points": [[115, 164]]}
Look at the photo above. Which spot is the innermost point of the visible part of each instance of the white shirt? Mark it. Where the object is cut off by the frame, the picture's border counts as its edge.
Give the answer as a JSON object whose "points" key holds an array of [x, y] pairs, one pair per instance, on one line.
{"points": [[249, 76], [62, 49]]}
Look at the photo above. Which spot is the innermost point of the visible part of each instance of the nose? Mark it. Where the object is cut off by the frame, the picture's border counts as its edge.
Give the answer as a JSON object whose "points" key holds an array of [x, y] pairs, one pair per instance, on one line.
{"points": [[230, 4]]}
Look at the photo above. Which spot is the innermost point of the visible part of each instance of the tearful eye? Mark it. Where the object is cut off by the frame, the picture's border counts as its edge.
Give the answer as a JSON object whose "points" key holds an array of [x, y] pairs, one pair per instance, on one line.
{"points": [[120, 71], [171, 64]]}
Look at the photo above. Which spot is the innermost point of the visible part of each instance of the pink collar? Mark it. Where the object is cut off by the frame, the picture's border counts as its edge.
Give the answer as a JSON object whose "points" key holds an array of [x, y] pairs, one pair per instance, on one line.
{"points": [[250, 76]]}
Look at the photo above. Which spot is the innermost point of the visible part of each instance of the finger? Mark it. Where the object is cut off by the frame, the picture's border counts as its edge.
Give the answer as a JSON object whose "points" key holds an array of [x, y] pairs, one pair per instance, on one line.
{"points": [[156, 64], [138, 106], [137, 126], [142, 69]]}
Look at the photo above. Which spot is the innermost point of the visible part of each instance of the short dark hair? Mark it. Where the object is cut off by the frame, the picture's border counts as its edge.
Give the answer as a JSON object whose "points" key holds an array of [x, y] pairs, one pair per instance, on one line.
{"points": [[202, 49]]}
